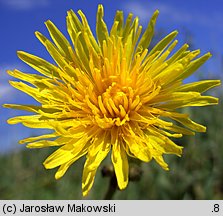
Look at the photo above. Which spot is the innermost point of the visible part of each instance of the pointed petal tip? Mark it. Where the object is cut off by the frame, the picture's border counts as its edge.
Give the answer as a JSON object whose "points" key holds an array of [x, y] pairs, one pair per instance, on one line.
{"points": [[79, 12], [203, 129], [48, 22], [37, 33], [157, 12], [40, 37], [85, 190], [5, 105], [57, 176], [46, 166], [19, 52], [13, 83], [11, 121], [69, 13], [101, 9], [186, 46], [123, 185], [10, 72], [179, 154], [85, 193], [22, 142], [175, 32], [165, 167], [207, 55]]}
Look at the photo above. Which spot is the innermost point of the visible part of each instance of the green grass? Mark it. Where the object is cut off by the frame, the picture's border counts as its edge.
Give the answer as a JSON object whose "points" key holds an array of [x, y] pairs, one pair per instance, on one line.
{"points": [[198, 174]]}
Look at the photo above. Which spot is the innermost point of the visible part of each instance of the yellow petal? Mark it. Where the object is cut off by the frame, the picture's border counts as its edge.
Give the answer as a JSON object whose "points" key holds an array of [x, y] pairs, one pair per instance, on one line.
{"points": [[66, 153], [100, 150], [39, 64], [32, 108], [101, 27], [161, 162], [178, 54], [200, 86], [43, 144], [59, 39], [64, 167], [184, 99], [148, 34], [121, 165], [32, 139], [178, 129], [89, 33], [138, 148], [190, 124], [164, 43], [194, 65], [160, 144], [32, 121], [33, 92], [34, 79]]}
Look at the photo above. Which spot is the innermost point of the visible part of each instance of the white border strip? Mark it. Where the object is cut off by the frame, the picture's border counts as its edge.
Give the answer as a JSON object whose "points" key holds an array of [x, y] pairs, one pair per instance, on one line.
{"points": [[116, 207]]}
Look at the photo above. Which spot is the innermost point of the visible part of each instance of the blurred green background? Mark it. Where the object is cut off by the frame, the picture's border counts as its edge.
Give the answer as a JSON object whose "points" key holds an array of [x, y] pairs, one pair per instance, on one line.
{"points": [[198, 174]]}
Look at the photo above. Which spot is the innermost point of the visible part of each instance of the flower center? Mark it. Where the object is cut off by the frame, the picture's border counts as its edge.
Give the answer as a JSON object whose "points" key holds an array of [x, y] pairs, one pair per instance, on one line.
{"points": [[115, 105]]}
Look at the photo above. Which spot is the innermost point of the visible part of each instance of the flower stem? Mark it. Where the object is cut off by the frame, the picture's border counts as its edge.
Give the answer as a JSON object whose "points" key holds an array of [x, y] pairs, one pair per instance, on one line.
{"points": [[135, 174], [108, 171], [112, 188]]}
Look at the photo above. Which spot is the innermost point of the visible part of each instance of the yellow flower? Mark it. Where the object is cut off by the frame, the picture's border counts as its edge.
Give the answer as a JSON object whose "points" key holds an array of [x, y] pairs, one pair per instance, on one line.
{"points": [[110, 94]]}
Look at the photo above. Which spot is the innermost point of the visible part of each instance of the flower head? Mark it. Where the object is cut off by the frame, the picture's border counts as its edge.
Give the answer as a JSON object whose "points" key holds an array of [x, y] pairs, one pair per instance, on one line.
{"points": [[112, 93]]}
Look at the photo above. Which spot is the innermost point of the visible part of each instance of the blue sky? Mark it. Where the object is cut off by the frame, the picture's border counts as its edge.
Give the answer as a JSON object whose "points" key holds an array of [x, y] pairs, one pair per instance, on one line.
{"points": [[19, 19]]}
